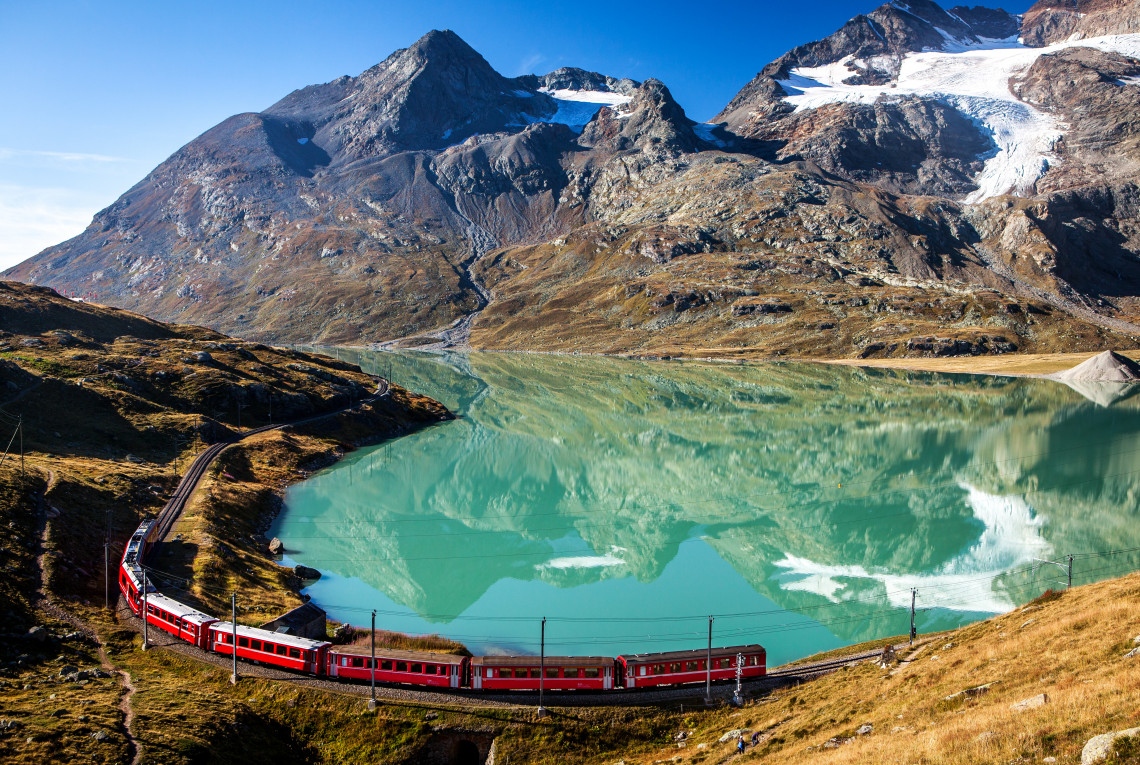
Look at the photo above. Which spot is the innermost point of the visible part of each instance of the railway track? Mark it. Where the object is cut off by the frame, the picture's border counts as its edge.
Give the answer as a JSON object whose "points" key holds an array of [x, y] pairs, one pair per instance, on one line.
{"points": [[172, 510], [394, 693]]}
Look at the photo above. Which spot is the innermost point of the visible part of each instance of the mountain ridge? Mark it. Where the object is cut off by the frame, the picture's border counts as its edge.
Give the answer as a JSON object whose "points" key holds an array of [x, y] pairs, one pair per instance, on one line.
{"points": [[407, 202]]}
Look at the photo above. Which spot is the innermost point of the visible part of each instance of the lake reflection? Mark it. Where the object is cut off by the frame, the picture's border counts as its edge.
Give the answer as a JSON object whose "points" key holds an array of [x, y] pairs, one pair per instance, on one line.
{"points": [[796, 503]]}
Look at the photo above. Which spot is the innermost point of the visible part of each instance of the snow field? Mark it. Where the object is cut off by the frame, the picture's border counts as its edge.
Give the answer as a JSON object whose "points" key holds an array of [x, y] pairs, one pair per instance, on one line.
{"points": [[975, 80]]}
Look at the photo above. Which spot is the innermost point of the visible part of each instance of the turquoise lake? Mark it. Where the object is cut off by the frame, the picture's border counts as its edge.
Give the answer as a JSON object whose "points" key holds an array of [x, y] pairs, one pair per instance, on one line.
{"points": [[796, 504]]}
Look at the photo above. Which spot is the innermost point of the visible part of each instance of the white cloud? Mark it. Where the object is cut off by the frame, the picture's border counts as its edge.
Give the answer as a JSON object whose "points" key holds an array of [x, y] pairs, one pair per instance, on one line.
{"points": [[34, 218], [69, 157], [529, 64]]}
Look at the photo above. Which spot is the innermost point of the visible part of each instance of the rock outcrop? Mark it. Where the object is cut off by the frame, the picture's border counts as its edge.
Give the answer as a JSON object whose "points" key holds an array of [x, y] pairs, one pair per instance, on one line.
{"points": [[1051, 21]]}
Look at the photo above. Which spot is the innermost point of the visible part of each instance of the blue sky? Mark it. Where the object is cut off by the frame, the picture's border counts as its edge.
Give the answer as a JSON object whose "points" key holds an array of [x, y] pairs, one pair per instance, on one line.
{"points": [[95, 94]]}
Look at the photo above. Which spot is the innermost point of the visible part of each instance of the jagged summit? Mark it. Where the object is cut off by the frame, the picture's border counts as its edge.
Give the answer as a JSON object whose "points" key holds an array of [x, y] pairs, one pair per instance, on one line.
{"points": [[846, 210]]}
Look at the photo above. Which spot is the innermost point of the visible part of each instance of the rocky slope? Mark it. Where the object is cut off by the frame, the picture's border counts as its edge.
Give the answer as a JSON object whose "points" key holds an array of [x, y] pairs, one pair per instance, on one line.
{"points": [[916, 183], [1052, 21]]}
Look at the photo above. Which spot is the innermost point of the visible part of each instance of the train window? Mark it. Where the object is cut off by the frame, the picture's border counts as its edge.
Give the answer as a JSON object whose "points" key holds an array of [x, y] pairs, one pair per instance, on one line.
{"points": [[294, 653], [243, 642], [255, 645], [675, 667], [401, 666], [358, 661], [570, 672], [590, 672], [642, 670], [441, 670], [386, 664], [552, 671], [417, 668], [535, 672], [490, 672], [753, 661], [282, 650]]}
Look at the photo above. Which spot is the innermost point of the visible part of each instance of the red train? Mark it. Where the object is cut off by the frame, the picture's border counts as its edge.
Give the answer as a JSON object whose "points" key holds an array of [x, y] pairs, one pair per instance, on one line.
{"points": [[422, 668]]}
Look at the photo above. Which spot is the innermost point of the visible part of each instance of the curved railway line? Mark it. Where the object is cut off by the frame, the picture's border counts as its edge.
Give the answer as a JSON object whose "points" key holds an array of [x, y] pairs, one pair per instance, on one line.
{"points": [[694, 694]]}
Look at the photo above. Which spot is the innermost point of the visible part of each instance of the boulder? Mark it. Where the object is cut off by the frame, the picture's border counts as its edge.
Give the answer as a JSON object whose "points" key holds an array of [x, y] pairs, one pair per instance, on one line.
{"points": [[100, 735], [1135, 652], [67, 669], [276, 546], [732, 735], [970, 692], [1098, 748], [1034, 702], [306, 573], [865, 729]]}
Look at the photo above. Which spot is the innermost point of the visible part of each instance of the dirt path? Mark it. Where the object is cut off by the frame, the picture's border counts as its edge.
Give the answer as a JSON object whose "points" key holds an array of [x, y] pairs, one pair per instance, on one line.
{"points": [[53, 610]]}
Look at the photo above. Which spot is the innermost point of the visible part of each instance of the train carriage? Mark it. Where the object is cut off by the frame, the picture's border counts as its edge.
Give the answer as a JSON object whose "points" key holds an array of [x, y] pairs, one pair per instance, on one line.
{"points": [[178, 619], [130, 584], [558, 673], [646, 669], [265, 647], [412, 667]]}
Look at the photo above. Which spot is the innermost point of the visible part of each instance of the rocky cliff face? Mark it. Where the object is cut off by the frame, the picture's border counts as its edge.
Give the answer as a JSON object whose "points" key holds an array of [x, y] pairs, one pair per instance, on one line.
{"points": [[1053, 21], [916, 183]]}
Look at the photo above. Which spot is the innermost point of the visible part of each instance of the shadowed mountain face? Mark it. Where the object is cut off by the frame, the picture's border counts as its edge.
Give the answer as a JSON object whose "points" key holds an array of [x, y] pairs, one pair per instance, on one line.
{"points": [[431, 196]]}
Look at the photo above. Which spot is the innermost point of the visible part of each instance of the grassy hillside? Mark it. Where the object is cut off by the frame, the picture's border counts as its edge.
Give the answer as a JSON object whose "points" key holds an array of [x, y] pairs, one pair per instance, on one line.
{"points": [[109, 417]]}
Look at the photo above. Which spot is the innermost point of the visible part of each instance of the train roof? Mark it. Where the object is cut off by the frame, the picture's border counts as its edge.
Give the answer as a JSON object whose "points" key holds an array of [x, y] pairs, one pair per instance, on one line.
{"points": [[651, 658], [130, 552], [533, 661], [279, 638], [181, 610], [135, 572], [392, 653]]}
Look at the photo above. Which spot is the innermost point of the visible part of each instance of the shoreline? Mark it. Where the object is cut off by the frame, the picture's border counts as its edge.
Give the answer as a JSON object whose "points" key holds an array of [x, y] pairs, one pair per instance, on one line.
{"points": [[1001, 365]]}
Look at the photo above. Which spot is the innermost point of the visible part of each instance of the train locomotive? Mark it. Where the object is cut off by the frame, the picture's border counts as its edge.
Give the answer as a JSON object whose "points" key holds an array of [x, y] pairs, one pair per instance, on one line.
{"points": [[420, 668]]}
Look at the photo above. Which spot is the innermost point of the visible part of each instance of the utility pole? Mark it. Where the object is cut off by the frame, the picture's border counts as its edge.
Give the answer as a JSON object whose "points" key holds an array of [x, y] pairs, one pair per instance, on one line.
{"points": [[1070, 585], [738, 697], [107, 565], [144, 611], [233, 635], [372, 701], [20, 427], [913, 595], [541, 667], [708, 666]]}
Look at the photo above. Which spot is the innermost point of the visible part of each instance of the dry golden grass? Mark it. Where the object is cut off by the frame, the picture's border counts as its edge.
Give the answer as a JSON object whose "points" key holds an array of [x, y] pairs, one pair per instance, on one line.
{"points": [[1007, 364], [1071, 648]]}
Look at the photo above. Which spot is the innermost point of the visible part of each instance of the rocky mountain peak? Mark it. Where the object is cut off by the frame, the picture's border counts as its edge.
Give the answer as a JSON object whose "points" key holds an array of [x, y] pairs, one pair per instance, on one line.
{"points": [[573, 78], [1051, 21], [652, 121]]}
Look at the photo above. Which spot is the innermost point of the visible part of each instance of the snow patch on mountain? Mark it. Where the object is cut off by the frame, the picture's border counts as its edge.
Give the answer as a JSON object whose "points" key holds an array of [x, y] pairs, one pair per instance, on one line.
{"points": [[578, 107], [974, 78]]}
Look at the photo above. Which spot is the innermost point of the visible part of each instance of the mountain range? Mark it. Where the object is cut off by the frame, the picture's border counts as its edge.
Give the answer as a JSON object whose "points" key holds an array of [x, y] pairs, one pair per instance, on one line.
{"points": [[925, 181]]}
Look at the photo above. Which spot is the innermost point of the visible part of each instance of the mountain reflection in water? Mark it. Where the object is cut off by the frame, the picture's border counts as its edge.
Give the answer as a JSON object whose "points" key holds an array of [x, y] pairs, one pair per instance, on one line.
{"points": [[797, 503]]}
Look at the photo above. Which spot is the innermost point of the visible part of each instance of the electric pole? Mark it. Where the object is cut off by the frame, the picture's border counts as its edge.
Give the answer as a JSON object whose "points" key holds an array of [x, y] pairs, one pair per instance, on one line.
{"points": [[144, 611], [708, 666], [541, 667], [20, 427], [233, 635], [1070, 585], [372, 701], [913, 595]]}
